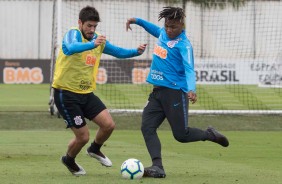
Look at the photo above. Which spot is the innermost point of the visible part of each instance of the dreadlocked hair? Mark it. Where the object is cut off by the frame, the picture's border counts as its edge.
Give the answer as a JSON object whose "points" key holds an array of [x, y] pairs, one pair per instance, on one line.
{"points": [[172, 13]]}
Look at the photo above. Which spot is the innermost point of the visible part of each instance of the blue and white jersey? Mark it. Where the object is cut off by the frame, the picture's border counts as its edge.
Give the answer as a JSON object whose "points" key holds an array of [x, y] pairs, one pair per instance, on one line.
{"points": [[173, 61]]}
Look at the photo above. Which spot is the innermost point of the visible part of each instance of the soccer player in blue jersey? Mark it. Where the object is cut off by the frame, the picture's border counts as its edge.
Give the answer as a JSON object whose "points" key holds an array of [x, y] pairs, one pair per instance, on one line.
{"points": [[174, 85], [74, 81]]}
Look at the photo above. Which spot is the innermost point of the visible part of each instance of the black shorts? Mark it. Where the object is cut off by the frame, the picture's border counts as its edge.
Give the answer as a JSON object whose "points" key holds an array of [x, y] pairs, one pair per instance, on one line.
{"points": [[166, 103], [75, 107]]}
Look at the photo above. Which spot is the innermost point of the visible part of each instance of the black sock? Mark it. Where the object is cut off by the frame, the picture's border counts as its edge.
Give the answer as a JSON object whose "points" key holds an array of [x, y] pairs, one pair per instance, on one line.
{"points": [[71, 163], [158, 162], [95, 148], [69, 158]]}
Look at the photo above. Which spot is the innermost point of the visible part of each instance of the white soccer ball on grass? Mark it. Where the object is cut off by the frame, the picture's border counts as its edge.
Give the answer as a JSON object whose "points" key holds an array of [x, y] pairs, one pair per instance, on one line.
{"points": [[132, 169]]}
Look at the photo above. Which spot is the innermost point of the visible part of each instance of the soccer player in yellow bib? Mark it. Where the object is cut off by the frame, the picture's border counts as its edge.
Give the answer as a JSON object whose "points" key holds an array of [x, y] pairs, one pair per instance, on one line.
{"points": [[74, 81]]}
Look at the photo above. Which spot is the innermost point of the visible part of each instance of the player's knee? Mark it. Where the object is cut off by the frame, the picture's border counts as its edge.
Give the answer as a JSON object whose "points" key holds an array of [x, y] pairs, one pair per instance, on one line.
{"points": [[83, 139], [145, 130], [180, 138], [110, 126]]}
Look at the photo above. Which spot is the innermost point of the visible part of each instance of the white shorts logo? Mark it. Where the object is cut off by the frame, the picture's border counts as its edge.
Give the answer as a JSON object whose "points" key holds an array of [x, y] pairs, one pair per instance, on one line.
{"points": [[78, 120]]}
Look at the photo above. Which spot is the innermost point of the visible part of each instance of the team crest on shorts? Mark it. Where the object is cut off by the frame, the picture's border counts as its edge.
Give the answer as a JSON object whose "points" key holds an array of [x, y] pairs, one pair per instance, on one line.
{"points": [[78, 120]]}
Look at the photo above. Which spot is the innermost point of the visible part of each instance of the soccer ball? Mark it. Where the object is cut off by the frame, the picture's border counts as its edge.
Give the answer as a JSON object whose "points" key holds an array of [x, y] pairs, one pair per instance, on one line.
{"points": [[132, 169]]}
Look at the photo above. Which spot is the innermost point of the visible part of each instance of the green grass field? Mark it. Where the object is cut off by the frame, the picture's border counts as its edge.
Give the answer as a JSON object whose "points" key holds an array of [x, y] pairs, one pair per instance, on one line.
{"points": [[253, 158], [32, 142], [121, 96]]}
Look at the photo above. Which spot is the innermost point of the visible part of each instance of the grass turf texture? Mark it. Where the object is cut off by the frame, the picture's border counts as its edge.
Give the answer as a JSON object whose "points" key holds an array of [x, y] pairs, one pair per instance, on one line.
{"points": [[33, 157], [32, 143], [211, 97]]}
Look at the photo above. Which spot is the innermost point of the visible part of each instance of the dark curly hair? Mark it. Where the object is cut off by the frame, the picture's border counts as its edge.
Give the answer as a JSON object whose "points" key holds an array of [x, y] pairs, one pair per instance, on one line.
{"points": [[170, 13]]}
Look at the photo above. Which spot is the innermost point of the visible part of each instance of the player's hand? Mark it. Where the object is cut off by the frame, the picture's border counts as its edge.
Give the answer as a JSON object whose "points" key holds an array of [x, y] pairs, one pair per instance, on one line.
{"points": [[141, 48], [99, 40], [192, 97], [130, 21]]}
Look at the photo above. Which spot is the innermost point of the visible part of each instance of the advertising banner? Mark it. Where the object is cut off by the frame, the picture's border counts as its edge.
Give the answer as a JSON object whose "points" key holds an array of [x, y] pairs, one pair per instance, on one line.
{"points": [[24, 71], [136, 71], [238, 72]]}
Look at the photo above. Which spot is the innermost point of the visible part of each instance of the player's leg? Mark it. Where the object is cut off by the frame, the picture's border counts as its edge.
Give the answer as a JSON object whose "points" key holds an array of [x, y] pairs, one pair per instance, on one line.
{"points": [[68, 106], [152, 118], [74, 147], [97, 112], [81, 138], [106, 126], [175, 104]]}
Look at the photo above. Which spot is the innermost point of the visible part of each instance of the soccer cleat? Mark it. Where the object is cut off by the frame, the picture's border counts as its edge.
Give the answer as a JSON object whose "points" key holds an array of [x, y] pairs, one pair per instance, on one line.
{"points": [[74, 168], [217, 137], [154, 172], [105, 161]]}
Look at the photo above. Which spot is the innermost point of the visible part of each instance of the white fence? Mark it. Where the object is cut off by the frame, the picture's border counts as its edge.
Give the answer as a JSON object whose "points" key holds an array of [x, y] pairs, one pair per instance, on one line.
{"points": [[255, 29]]}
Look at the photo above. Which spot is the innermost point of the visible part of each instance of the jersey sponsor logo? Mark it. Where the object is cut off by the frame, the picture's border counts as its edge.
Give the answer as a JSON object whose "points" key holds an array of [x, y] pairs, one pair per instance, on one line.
{"points": [[90, 60], [160, 51], [85, 85], [172, 43], [157, 75], [78, 120], [82, 87]]}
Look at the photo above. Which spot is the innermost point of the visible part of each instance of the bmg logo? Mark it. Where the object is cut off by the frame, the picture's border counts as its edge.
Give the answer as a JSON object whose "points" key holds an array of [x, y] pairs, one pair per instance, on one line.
{"points": [[22, 75]]}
